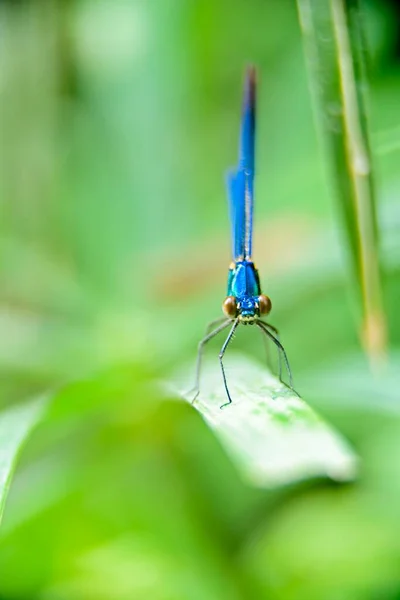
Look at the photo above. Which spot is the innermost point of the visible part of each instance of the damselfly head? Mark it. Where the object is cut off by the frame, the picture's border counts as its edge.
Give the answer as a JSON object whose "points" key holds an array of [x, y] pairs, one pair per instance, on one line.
{"points": [[248, 310], [264, 304], [229, 307], [247, 319]]}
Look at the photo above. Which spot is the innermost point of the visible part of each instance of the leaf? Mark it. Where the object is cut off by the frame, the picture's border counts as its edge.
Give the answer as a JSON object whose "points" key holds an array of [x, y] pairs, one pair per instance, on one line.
{"points": [[16, 423], [272, 435], [333, 39]]}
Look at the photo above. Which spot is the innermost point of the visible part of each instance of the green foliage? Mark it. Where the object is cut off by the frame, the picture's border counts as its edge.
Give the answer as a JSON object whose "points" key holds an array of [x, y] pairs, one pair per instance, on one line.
{"points": [[118, 121], [271, 434], [15, 425], [334, 39]]}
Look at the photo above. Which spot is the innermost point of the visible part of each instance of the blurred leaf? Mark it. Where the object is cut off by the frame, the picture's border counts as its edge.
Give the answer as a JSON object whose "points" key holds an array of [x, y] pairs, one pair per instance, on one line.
{"points": [[348, 382], [331, 544], [15, 425], [273, 436], [333, 36], [137, 566]]}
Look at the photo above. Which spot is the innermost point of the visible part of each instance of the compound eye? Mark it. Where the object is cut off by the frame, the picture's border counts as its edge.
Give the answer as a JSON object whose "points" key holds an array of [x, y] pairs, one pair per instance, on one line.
{"points": [[264, 304], [229, 306]]}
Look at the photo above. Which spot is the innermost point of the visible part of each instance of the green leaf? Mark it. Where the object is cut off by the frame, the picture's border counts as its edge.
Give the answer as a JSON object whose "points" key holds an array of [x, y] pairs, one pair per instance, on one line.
{"points": [[16, 423], [333, 37], [272, 435]]}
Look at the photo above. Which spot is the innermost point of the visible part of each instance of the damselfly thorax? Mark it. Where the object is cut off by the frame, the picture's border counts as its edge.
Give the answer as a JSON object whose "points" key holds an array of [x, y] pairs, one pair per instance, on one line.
{"points": [[244, 298]]}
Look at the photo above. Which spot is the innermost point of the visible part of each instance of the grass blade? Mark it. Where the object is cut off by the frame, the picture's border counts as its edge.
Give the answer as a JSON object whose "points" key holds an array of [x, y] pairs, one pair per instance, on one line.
{"points": [[15, 425], [333, 38], [272, 436]]}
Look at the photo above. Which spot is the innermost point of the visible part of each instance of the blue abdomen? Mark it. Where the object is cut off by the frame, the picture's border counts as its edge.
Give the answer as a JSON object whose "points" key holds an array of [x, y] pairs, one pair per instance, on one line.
{"points": [[243, 280]]}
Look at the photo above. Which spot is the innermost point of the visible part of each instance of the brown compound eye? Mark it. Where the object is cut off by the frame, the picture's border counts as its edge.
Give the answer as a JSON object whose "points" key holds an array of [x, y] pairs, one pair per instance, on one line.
{"points": [[264, 304], [229, 306]]}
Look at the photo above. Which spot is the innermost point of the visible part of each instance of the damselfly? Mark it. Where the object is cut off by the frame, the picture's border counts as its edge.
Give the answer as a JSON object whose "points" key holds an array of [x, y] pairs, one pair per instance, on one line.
{"points": [[244, 304]]}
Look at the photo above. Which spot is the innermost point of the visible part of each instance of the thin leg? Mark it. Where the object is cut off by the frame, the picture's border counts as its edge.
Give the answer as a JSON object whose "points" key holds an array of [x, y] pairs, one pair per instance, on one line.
{"points": [[221, 356], [202, 343], [276, 332], [262, 326], [267, 352], [274, 329], [214, 323]]}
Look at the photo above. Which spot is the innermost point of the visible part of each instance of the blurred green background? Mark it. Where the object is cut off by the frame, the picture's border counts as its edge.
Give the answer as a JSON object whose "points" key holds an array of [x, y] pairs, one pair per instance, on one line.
{"points": [[119, 119]]}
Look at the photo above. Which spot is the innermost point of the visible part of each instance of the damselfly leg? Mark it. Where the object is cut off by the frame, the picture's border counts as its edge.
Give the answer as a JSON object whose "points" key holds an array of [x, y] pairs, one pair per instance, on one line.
{"points": [[202, 343], [266, 339], [264, 327], [221, 356]]}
